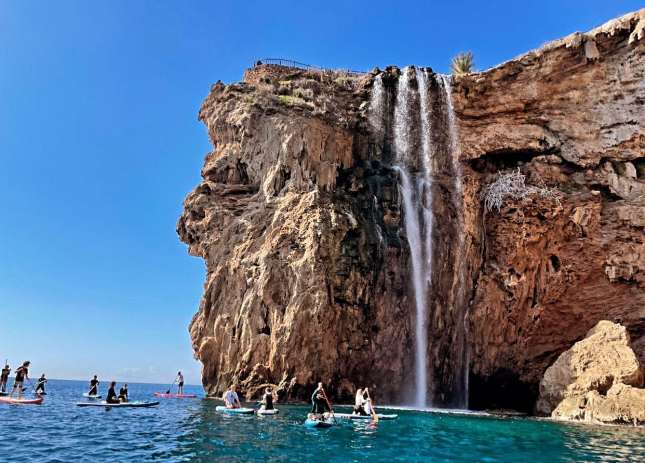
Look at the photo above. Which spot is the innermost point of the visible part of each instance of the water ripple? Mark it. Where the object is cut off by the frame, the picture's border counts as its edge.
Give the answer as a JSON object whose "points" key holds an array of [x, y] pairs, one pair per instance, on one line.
{"points": [[191, 431]]}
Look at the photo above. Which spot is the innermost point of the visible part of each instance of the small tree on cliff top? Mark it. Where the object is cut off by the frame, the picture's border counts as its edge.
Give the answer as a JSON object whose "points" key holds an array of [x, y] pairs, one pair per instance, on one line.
{"points": [[463, 63]]}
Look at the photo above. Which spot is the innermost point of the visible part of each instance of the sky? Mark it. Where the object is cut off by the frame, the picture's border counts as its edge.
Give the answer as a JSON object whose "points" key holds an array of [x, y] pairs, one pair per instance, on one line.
{"points": [[100, 143]]}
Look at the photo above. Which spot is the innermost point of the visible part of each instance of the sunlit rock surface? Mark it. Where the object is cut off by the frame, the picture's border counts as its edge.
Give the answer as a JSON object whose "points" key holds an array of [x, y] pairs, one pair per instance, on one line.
{"points": [[299, 221], [598, 380]]}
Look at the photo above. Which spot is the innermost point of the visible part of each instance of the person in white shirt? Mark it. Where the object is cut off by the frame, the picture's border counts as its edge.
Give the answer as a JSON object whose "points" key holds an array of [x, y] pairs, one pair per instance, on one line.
{"points": [[180, 383], [231, 400], [359, 403]]}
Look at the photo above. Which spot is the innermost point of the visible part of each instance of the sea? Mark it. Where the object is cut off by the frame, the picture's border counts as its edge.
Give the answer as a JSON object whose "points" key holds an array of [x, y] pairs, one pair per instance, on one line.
{"points": [[191, 430]]}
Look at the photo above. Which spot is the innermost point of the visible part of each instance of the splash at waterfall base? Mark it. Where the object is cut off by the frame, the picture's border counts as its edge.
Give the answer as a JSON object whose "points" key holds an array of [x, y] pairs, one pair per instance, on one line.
{"points": [[301, 220]]}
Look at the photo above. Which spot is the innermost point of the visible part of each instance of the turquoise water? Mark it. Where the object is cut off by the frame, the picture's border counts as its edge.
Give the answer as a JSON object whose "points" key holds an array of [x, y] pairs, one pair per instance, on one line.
{"points": [[191, 430]]}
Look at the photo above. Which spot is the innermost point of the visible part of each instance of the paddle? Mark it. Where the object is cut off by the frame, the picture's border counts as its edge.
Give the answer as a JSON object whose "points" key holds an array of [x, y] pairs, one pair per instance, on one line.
{"points": [[328, 404], [171, 385], [94, 388]]}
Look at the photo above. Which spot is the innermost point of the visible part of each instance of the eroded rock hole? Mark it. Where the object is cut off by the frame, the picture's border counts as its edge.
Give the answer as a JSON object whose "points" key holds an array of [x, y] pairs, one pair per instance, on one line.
{"points": [[555, 263]]}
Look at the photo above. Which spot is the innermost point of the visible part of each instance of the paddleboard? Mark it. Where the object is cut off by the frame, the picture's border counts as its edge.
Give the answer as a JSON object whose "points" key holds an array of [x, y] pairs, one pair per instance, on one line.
{"points": [[262, 411], [103, 403], [22, 401], [349, 416], [92, 396], [163, 395], [235, 411], [310, 423]]}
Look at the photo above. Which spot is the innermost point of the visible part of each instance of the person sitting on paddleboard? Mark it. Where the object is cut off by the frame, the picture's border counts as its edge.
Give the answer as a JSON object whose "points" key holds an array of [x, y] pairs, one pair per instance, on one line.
{"points": [[267, 399], [123, 393], [180, 383], [4, 377], [231, 400], [319, 401], [22, 373], [94, 386], [111, 394], [40, 387]]}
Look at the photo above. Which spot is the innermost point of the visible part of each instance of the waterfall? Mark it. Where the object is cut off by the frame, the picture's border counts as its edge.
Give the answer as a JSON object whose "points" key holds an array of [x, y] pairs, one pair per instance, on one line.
{"points": [[428, 218], [461, 334], [416, 191], [415, 121], [412, 203]]}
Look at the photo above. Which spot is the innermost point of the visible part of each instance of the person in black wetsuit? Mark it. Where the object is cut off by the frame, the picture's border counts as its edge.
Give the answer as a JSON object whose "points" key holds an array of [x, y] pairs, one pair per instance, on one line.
{"points": [[123, 393], [111, 394], [267, 399], [22, 373], [94, 386], [40, 386], [4, 377], [318, 401]]}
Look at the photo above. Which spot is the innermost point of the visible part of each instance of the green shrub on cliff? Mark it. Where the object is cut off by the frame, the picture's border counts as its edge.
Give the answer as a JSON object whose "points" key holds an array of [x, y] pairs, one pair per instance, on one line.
{"points": [[463, 63]]}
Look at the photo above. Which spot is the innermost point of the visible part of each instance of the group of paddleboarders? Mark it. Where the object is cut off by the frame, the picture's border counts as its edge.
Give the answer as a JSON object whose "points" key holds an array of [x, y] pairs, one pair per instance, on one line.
{"points": [[22, 375], [321, 407], [112, 397], [232, 400]]}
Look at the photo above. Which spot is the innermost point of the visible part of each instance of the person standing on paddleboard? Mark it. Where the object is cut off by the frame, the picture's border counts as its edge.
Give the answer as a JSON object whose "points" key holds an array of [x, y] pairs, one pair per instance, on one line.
{"points": [[180, 383], [4, 377], [40, 387], [22, 373], [111, 394], [231, 400], [123, 393], [319, 402], [94, 386]]}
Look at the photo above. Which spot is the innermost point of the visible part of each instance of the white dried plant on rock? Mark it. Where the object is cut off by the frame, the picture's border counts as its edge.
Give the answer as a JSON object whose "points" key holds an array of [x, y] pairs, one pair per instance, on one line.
{"points": [[512, 185]]}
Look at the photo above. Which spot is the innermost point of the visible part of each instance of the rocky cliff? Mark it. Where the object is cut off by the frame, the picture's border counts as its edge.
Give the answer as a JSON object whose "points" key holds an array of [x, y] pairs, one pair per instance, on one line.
{"points": [[300, 221], [598, 380]]}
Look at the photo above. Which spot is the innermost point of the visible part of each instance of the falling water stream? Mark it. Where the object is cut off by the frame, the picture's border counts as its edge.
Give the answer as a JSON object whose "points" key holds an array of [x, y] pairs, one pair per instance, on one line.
{"points": [[414, 160], [412, 203]]}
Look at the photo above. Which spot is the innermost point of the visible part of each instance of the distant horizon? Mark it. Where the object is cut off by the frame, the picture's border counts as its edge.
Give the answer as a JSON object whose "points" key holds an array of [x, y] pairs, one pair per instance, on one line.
{"points": [[34, 379]]}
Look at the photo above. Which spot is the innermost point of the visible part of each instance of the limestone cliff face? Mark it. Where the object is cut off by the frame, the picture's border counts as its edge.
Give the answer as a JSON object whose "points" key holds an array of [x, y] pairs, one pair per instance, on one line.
{"points": [[292, 219], [299, 220], [571, 115]]}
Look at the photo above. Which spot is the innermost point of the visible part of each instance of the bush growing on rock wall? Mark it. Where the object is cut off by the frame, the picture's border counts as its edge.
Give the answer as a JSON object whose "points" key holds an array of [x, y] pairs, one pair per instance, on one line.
{"points": [[512, 184], [463, 63]]}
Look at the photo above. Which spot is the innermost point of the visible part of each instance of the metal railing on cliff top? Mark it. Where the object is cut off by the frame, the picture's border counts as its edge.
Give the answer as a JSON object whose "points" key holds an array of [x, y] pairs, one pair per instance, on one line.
{"points": [[289, 63]]}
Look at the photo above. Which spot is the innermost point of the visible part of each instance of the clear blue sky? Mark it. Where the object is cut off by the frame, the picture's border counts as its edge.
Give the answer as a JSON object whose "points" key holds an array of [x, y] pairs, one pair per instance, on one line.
{"points": [[99, 144]]}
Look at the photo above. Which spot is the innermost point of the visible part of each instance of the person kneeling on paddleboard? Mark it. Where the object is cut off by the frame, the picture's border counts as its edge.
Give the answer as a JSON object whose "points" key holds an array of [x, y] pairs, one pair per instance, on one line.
{"points": [[94, 386], [267, 399], [231, 400], [40, 387], [123, 393], [22, 373], [111, 394], [4, 377]]}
